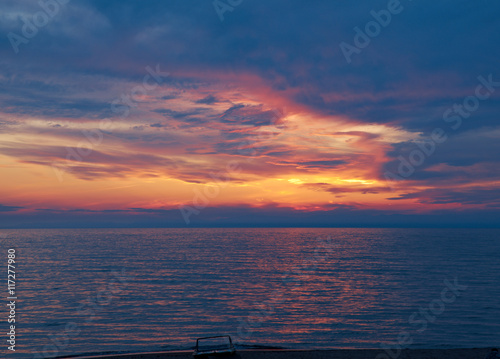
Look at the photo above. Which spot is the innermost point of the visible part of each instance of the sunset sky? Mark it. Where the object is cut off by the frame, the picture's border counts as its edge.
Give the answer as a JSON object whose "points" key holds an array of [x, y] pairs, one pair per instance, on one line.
{"points": [[261, 113]]}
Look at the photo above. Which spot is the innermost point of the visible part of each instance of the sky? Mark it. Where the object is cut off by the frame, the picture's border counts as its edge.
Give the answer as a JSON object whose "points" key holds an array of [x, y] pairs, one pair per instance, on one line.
{"points": [[249, 113]]}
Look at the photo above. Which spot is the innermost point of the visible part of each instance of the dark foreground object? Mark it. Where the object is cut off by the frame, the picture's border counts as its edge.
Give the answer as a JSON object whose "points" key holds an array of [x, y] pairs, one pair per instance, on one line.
{"points": [[220, 345], [316, 354]]}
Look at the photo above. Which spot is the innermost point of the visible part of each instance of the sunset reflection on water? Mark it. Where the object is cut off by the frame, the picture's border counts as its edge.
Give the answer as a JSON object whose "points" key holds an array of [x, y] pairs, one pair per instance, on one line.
{"points": [[187, 283]]}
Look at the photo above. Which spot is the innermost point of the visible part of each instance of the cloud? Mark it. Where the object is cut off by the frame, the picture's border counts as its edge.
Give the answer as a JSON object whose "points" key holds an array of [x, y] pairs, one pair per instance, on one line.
{"points": [[468, 196], [466, 157], [157, 125], [247, 115], [364, 189], [209, 100], [244, 216], [4, 208]]}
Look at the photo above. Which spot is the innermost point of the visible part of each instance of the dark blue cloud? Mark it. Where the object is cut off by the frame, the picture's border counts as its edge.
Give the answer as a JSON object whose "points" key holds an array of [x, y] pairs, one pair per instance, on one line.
{"points": [[428, 47], [242, 216], [4, 208], [209, 100], [249, 115], [475, 196], [469, 156]]}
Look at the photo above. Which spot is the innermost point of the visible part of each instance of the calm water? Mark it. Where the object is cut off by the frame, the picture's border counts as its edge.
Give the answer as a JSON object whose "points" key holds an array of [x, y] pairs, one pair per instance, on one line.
{"points": [[146, 289]]}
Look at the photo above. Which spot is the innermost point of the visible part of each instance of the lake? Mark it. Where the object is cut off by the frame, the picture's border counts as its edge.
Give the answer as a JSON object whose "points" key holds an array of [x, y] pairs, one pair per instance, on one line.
{"points": [[107, 290]]}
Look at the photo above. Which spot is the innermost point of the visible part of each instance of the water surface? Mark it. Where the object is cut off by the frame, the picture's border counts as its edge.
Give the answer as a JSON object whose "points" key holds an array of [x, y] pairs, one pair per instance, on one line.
{"points": [[99, 290]]}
